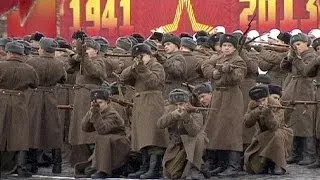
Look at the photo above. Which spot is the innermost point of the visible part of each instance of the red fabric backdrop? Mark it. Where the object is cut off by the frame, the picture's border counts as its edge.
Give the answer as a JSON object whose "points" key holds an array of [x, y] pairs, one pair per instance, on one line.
{"points": [[114, 18]]}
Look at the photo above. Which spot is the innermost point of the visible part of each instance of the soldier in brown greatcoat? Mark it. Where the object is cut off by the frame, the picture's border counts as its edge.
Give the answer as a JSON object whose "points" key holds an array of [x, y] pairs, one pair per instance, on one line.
{"points": [[225, 123], [187, 47], [269, 60], [174, 65], [42, 109], [300, 88], [90, 69], [248, 82], [203, 46], [183, 156], [272, 143], [147, 75], [3, 42], [314, 66], [111, 144], [65, 92], [16, 77], [316, 45]]}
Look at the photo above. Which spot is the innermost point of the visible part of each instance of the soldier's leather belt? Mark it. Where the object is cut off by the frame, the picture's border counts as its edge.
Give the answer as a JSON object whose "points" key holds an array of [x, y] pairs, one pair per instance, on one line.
{"points": [[86, 86], [221, 88], [147, 92], [65, 86], [11, 92], [47, 89]]}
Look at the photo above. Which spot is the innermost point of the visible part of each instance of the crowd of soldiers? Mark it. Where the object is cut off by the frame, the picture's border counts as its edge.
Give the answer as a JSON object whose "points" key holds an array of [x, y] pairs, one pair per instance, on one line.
{"points": [[164, 106]]}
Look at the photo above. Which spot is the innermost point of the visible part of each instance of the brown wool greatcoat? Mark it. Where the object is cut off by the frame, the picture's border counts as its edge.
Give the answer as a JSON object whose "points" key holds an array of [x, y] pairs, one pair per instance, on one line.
{"points": [[15, 77], [47, 127], [186, 133], [273, 139], [193, 77], [175, 68], [111, 144], [148, 105], [93, 74], [300, 88], [224, 127], [248, 82], [270, 61], [313, 68]]}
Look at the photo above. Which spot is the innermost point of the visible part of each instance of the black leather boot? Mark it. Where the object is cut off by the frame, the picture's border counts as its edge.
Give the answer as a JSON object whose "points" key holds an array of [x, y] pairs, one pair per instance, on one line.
{"points": [[296, 151], [22, 165], [234, 164], [144, 166], [221, 162], [210, 163], [32, 161], [276, 170], [100, 175], [195, 174], [154, 167], [57, 161], [0, 163], [309, 151]]}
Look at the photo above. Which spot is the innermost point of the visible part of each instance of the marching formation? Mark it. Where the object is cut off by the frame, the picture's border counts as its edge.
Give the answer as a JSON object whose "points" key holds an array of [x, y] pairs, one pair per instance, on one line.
{"points": [[166, 106]]}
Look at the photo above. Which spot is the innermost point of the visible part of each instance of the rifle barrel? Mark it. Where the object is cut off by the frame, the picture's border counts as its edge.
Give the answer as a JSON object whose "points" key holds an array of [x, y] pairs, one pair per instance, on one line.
{"points": [[188, 85], [121, 102], [302, 102], [65, 107], [233, 66]]}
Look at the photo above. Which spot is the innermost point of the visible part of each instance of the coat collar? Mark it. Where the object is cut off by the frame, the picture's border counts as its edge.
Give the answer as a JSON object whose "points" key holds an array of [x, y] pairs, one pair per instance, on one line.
{"points": [[174, 54], [310, 50], [18, 59]]}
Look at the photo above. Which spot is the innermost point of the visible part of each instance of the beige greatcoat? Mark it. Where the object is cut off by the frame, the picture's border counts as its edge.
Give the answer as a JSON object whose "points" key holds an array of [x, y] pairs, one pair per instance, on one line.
{"points": [[273, 139], [186, 133], [148, 104], [224, 127], [300, 88]]}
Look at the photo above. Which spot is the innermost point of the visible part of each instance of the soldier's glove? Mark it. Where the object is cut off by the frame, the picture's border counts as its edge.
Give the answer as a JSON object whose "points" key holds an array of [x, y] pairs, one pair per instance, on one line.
{"points": [[265, 111], [95, 107], [216, 74], [178, 114], [292, 54], [258, 48], [226, 67], [139, 66]]}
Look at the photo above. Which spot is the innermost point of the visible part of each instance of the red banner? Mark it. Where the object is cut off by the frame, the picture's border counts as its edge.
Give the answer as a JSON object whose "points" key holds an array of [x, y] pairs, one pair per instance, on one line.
{"points": [[114, 18]]}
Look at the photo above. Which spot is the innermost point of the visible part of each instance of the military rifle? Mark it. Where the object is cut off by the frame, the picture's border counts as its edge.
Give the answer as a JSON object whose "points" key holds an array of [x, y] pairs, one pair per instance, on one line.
{"points": [[232, 65], [121, 102], [82, 51], [301, 102], [242, 40], [65, 107], [280, 107], [197, 109], [189, 86], [117, 55]]}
